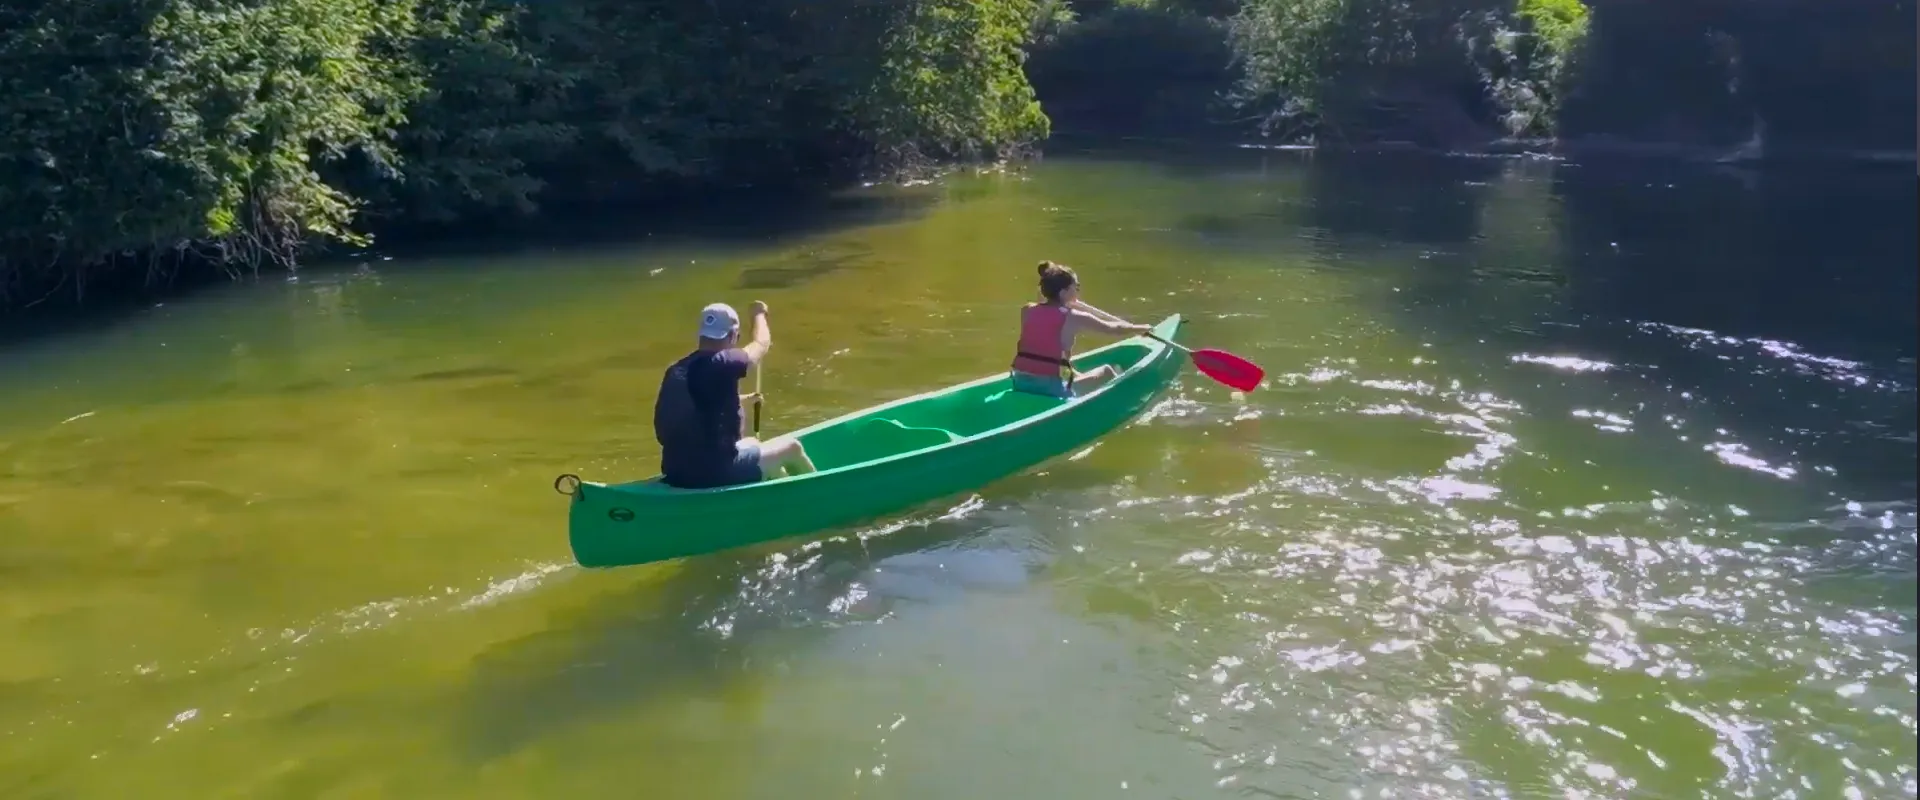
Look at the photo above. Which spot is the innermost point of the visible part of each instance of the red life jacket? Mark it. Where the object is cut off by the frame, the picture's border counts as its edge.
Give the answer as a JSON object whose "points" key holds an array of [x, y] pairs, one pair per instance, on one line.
{"points": [[1040, 351]]}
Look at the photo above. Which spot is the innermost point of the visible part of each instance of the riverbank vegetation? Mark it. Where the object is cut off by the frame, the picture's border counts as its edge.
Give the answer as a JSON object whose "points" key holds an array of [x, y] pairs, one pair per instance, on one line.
{"points": [[143, 137], [1451, 73]]}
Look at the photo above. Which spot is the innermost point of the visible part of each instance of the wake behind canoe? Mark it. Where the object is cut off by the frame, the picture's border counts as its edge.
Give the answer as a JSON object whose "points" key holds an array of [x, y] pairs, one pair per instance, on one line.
{"points": [[874, 462]]}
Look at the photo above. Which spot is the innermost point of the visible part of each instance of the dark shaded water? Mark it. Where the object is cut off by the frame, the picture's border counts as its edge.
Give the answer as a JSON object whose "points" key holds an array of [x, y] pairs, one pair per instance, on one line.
{"points": [[1570, 479]]}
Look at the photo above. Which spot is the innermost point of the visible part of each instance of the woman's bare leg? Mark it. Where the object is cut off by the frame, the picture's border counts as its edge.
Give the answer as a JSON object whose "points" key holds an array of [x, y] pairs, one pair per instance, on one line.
{"points": [[1086, 382]]}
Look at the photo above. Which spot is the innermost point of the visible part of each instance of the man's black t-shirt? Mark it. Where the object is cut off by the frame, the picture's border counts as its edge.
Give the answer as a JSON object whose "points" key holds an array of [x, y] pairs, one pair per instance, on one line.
{"points": [[696, 418]]}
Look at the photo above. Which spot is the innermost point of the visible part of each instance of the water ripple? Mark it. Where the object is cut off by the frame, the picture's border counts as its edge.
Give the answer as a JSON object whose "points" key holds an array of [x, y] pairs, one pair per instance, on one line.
{"points": [[1444, 642]]}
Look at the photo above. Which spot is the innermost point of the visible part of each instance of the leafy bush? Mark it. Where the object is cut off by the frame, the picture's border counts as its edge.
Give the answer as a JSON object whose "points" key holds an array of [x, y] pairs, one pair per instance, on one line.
{"points": [[143, 135], [1136, 69], [1366, 69], [1528, 61], [151, 131]]}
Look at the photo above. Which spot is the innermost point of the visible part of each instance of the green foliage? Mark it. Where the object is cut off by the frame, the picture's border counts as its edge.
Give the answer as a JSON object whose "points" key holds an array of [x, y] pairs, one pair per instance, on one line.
{"points": [[1702, 71], [1451, 72], [492, 106], [950, 83], [1532, 61], [143, 135], [1366, 69], [1050, 18], [1211, 9], [1711, 71], [1198, 8], [175, 127], [1137, 69]]}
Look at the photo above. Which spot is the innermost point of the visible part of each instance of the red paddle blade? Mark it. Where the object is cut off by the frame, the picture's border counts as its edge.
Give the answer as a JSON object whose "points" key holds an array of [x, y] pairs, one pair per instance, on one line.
{"points": [[1229, 369]]}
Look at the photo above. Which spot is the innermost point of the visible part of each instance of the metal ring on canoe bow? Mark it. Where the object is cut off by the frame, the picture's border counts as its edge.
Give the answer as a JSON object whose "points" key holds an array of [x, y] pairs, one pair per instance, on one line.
{"points": [[572, 483]]}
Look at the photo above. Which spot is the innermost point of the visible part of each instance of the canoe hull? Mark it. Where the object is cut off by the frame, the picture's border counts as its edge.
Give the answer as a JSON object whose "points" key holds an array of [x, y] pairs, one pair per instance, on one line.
{"points": [[929, 446]]}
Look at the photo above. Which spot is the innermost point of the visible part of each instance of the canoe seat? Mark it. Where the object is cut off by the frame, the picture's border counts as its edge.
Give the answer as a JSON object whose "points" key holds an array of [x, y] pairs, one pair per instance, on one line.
{"points": [[893, 436], [871, 439]]}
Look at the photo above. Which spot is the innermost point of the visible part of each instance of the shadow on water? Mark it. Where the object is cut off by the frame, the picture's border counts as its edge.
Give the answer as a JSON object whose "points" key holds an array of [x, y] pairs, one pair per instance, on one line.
{"points": [[744, 219], [1343, 200], [1397, 197], [1819, 257], [736, 218], [1788, 297], [1784, 298], [1823, 261], [1177, 157], [807, 266], [711, 628], [703, 633]]}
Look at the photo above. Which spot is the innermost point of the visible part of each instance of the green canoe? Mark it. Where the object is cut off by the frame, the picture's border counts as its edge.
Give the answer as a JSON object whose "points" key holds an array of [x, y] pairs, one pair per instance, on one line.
{"points": [[873, 462]]}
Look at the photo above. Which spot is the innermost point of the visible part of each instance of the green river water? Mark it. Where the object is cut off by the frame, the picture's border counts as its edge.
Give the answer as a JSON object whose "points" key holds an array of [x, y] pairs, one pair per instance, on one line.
{"points": [[1569, 480]]}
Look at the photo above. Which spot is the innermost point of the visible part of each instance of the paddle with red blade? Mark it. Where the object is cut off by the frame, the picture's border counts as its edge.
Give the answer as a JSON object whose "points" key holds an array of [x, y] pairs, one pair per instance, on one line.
{"points": [[1222, 366], [1219, 365]]}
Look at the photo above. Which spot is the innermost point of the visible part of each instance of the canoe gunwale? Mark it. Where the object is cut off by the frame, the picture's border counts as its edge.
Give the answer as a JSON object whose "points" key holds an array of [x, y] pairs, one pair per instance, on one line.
{"points": [[1156, 350]]}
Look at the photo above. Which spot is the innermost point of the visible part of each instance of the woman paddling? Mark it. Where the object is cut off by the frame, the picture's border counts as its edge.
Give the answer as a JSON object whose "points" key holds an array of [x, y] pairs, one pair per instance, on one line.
{"points": [[1042, 364]]}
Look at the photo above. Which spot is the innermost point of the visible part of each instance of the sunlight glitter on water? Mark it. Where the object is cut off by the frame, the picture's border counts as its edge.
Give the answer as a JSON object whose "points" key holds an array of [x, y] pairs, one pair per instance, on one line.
{"points": [[1736, 454], [1483, 533], [1568, 363], [1538, 608], [1598, 592], [1839, 370]]}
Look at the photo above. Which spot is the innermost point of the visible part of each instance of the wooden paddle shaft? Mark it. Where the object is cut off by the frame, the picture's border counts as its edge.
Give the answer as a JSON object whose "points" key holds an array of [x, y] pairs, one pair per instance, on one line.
{"points": [[1176, 345], [1227, 368], [1089, 306], [757, 399]]}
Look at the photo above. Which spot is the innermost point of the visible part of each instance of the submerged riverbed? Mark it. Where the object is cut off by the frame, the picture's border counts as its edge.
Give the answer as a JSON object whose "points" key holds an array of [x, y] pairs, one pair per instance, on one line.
{"points": [[1569, 480]]}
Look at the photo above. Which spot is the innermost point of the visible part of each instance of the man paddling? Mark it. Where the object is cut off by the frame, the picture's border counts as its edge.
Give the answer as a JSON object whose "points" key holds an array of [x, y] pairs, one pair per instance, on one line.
{"points": [[697, 419]]}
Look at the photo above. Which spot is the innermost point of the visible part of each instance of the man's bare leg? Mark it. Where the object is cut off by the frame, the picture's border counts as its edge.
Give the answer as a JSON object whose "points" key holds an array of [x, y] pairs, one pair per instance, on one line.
{"points": [[784, 453]]}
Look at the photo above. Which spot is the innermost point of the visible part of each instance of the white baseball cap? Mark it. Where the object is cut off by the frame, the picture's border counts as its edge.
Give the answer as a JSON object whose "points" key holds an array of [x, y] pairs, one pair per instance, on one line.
{"points": [[718, 321]]}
